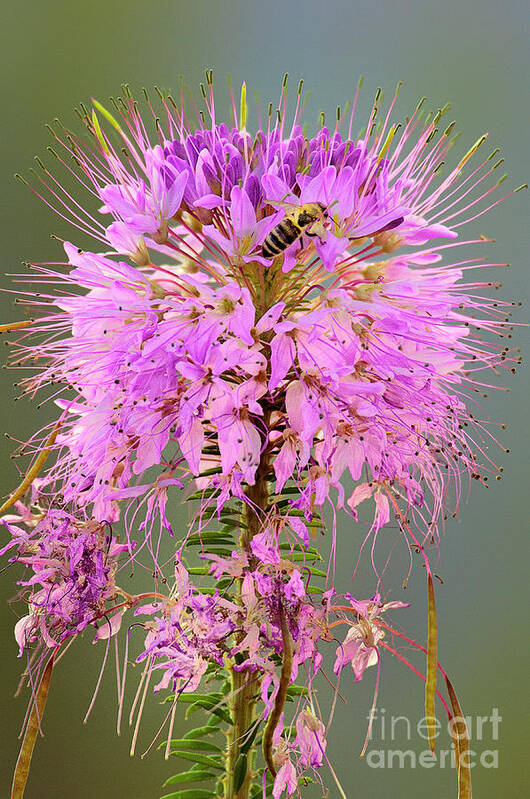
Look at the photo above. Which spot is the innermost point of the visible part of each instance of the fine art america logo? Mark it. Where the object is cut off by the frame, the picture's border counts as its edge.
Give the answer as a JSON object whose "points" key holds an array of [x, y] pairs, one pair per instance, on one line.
{"points": [[394, 741]]}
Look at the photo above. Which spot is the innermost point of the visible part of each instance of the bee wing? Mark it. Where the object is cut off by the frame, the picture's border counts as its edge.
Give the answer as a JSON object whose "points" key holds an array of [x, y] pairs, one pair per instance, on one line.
{"points": [[289, 207]]}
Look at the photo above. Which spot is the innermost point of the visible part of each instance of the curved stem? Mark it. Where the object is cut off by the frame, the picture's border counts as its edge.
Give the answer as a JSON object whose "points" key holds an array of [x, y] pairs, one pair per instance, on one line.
{"points": [[279, 702], [34, 470]]}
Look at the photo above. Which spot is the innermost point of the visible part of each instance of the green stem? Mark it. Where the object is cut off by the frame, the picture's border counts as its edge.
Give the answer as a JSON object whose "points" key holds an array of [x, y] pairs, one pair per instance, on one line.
{"points": [[245, 685], [240, 765]]}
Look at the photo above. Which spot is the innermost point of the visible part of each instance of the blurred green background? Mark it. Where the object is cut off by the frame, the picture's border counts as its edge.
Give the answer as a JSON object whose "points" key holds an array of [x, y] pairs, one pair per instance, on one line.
{"points": [[472, 53]]}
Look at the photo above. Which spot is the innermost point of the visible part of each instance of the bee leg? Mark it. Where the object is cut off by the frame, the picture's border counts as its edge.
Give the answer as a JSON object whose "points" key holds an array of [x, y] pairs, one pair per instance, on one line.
{"points": [[316, 236], [316, 229]]}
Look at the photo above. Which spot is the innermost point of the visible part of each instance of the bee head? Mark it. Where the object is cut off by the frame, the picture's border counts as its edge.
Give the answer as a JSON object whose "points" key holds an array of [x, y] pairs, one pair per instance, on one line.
{"points": [[323, 209]]}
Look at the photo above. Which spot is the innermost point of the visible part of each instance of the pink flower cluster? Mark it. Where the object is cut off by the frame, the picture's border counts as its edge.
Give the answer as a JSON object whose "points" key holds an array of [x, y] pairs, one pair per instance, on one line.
{"points": [[73, 566], [198, 627], [366, 379]]}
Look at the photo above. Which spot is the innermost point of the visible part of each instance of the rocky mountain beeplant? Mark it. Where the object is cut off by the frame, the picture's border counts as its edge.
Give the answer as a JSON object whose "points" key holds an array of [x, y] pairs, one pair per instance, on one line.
{"points": [[275, 328]]}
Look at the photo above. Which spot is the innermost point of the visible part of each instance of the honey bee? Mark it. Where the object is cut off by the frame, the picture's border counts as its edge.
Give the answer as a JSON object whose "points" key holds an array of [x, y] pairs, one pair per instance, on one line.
{"points": [[297, 220]]}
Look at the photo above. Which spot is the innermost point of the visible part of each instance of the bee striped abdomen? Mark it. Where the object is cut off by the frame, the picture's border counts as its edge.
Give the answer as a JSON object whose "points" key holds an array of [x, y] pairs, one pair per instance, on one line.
{"points": [[291, 228], [280, 238]]}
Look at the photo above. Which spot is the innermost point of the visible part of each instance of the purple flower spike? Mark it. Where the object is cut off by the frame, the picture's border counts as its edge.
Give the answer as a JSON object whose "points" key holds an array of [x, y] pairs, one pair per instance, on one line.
{"points": [[274, 328]]}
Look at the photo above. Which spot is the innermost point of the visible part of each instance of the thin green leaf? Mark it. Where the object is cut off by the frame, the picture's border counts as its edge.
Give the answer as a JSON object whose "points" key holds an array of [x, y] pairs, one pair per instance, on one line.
{"points": [[207, 535], [199, 732], [200, 495], [189, 776], [211, 708], [223, 552], [240, 771], [461, 743], [317, 572], [204, 760], [432, 665], [192, 697], [20, 776], [302, 557], [300, 549], [206, 540], [229, 525], [297, 690], [206, 702], [193, 745]]}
